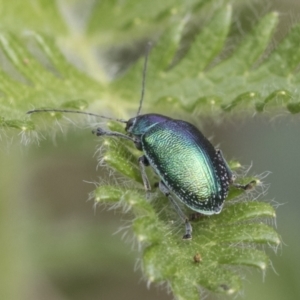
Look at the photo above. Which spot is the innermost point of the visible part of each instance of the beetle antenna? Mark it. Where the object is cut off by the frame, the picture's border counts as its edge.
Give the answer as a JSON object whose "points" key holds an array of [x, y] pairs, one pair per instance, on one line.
{"points": [[144, 77], [75, 112]]}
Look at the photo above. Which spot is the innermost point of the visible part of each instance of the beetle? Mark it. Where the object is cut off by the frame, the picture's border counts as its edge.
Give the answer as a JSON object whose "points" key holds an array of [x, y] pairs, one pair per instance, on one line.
{"points": [[189, 168]]}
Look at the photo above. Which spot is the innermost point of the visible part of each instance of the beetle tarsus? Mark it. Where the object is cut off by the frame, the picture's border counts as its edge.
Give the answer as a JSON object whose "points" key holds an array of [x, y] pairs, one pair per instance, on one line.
{"points": [[187, 237], [99, 132], [156, 184], [246, 187]]}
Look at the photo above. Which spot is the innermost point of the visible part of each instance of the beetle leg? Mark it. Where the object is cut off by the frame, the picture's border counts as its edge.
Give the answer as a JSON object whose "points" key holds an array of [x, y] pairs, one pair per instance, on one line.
{"points": [[232, 177], [245, 187], [100, 132], [143, 162], [195, 216], [188, 226]]}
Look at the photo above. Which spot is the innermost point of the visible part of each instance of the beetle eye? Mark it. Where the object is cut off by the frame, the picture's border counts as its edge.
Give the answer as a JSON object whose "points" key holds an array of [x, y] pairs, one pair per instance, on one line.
{"points": [[129, 124]]}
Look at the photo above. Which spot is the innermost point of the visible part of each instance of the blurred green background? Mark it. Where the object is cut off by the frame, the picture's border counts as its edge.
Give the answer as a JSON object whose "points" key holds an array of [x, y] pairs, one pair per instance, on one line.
{"points": [[55, 245]]}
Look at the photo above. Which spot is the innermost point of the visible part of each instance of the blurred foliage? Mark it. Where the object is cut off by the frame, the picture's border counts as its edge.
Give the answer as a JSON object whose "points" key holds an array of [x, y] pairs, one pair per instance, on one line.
{"points": [[190, 70]]}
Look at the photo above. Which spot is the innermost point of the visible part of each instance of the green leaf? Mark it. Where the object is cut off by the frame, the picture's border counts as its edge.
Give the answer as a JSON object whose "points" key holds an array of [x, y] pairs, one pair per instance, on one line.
{"points": [[20, 16], [133, 18], [167, 258], [249, 50], [201, 52], [35, 74]]}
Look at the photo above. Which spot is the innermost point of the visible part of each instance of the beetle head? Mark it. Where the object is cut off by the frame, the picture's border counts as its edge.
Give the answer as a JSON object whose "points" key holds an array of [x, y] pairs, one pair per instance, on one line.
{"points": [[138, 125]]}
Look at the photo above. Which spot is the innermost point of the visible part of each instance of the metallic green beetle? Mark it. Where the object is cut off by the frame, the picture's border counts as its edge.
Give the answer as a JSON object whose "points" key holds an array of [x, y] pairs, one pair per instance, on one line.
{"points": [[189, 167]]}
